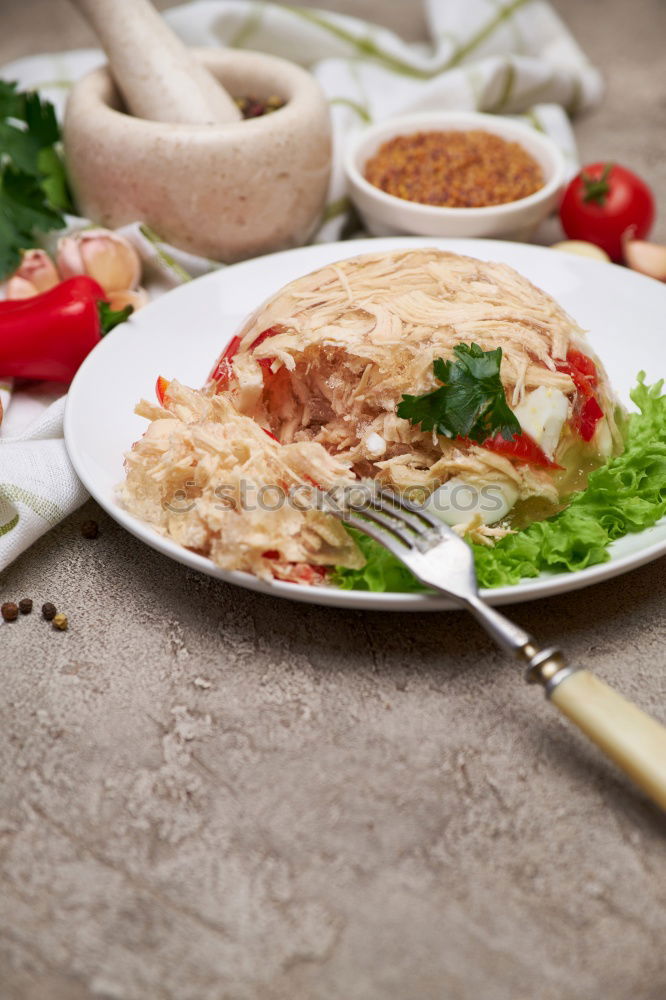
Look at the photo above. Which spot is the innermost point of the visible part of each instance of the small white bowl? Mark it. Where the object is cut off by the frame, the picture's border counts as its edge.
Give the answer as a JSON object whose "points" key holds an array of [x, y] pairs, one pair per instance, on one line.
{"points": [[386, 215]]}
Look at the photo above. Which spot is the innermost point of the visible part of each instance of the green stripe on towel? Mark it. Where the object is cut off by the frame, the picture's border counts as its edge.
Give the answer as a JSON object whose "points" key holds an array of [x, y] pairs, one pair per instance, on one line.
{"points": [[6, 528], [44, 508]]}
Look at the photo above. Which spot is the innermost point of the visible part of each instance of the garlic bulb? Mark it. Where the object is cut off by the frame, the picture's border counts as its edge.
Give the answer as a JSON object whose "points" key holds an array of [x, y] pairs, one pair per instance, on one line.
{"points": [[35, 274], [103, 255]]}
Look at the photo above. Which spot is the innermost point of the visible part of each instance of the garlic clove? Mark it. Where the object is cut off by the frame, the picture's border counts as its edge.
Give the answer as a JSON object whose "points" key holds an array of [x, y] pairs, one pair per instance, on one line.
{"points": [[137, 298], [20, 288], [103, 255], [648, 258], [582, 249], [35, 274]]}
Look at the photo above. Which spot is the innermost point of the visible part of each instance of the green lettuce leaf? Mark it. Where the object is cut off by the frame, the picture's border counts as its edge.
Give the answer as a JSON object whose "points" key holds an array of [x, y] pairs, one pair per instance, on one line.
{"points": [[626, 495]]}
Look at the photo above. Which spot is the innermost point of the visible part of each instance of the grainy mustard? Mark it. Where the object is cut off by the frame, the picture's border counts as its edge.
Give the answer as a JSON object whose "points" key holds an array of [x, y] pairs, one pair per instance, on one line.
{"points": [[458, 169]]}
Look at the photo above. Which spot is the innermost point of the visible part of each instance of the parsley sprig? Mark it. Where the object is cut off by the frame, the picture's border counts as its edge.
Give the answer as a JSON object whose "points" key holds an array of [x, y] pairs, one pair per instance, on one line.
{"points": [[33, 183], [470, 403]]}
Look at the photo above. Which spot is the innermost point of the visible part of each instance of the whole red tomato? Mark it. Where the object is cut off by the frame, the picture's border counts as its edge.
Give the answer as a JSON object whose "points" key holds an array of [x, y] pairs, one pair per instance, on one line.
{"points": [[602, 202]]}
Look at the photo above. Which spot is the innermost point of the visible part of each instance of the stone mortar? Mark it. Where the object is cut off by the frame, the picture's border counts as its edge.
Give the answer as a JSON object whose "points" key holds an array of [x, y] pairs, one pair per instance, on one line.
{"points": [[226, 191]]}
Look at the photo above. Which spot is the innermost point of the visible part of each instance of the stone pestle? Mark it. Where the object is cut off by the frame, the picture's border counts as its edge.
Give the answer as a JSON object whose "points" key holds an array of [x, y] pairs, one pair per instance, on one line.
{"points": [[158, 76]]}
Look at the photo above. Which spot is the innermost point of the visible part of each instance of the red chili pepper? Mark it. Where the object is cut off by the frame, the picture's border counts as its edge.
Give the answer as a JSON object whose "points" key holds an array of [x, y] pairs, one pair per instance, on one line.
{"points": [[47, 337], [522, 448]]}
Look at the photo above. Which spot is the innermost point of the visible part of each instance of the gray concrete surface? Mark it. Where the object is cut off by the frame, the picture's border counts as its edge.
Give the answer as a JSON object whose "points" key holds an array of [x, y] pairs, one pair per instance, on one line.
{"points": [[210, 795]]}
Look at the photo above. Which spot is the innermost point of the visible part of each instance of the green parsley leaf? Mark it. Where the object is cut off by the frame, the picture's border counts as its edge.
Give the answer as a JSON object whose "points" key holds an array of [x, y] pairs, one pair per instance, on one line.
{"points": [[470, 402], [41, 120], [12, 104], [24, 209], [19, 147], [54, 179], [33, 183]]}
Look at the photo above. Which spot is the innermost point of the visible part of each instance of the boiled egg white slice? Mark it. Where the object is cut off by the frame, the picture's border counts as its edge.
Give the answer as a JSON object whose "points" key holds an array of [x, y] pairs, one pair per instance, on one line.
{"points": [[603, 439], [457, 502], [542, 414]]}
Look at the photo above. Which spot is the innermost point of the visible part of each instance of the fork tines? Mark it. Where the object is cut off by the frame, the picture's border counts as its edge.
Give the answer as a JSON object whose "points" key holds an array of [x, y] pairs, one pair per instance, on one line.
{"points": [[388, 517]]}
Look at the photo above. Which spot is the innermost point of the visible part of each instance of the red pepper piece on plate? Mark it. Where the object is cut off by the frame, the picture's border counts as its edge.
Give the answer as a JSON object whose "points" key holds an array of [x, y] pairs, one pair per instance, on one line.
{"points": [[161, 386], [264, 363], [270, 332], [302, 573], [48, 336], [521, 448], [586, 421], [583, 363], [223, 370], [583, 373]]}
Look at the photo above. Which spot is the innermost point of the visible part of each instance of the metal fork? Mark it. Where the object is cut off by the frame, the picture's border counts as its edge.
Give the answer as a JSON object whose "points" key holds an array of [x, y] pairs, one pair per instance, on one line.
{"points": [[441, 559]]}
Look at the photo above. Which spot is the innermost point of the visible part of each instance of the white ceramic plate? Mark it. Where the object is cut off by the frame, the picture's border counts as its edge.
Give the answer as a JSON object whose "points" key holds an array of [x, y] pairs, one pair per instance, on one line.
{"points": [[182, 333]]}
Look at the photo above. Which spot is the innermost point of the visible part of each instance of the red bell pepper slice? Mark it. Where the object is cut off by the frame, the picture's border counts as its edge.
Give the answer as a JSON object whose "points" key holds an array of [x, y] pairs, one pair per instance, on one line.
{"points": [[583, 363], [521, 448], [264, 363], [223, 370], [583, 373], [161, 386], [307, 574], [303, 573], [270, 332], [586, 421]]}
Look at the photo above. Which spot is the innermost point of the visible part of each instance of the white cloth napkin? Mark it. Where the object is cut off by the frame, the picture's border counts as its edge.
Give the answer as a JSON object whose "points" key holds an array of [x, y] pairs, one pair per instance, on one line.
{"points": [[501, 56]]}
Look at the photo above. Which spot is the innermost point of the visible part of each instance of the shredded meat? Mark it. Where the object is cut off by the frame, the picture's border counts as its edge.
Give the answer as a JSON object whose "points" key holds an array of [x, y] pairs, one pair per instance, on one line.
{"points": [[349, 340], [308, 393], [197, 473]]}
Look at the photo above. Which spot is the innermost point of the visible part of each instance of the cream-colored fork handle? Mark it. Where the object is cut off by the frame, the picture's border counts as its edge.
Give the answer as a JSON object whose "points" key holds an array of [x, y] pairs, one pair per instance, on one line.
{"points": [[633, 740]]}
